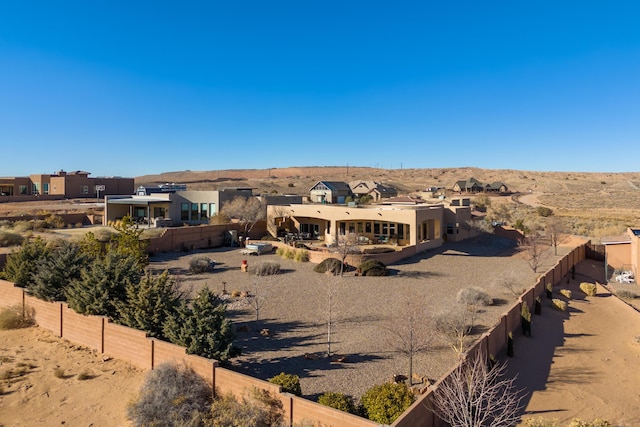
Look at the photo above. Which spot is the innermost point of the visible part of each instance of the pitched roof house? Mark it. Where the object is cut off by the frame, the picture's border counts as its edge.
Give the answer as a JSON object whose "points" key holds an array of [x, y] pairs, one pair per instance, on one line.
{"points": [[376, 190], [330, 192], [472, 185]]}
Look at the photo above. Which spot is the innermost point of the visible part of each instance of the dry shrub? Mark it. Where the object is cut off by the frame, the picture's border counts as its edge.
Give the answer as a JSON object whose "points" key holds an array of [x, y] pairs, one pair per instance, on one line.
{"points": [[14, 318], [589, 288], [565, 293], [22, 226], [598, 422], [301, 256], [558, 304], [58, 372], [626, 294], [474, 297], [541, 422], [170, 395], [267, 268], [8, 238], [199, 264], [258, 408], [332, 265], [84, 375], [235, 293]]}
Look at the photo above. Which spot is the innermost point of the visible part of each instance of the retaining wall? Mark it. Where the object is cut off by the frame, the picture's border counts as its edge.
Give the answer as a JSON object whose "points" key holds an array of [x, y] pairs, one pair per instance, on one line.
{"points": [[134, 346]]}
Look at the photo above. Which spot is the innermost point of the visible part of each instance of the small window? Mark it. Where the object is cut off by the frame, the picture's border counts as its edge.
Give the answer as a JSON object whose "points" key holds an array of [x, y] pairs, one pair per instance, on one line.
{"points": [[23, 190], [184, 211], [203, 212], [367, 227], [194, 211], [212, 209], [85, 189], [449, 228]]}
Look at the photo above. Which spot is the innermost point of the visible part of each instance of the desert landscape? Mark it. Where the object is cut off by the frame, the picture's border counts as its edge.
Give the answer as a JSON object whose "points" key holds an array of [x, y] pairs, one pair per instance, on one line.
{"points": [[600, 204]]}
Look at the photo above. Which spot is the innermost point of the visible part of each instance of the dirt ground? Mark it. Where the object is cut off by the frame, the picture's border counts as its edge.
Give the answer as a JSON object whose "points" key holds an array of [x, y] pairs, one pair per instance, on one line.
{"points": [[577, 363], [34, 395]]}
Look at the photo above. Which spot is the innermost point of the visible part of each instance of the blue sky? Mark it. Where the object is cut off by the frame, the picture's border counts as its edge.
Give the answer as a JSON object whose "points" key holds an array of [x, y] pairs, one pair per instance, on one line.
{"points": [[141, 87]]}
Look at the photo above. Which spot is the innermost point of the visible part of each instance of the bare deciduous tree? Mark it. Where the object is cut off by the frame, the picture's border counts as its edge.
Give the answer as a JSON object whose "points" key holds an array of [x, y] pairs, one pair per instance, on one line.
{"points": [[510, 283], [535, 250], [260, 286], [555, 231], [345, 245], [247, 210], [411, 330], [476, 394], [454, 327]]}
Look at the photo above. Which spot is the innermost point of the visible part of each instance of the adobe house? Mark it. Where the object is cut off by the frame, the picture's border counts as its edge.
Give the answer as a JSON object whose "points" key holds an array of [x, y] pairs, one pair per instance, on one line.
{"points": [[69, 185], [402, 221], [621, 252], [171, 207]]}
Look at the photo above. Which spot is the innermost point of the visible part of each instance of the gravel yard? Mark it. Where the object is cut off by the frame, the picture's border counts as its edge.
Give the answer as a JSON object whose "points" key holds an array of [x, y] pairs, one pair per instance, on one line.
{"points": [[365, 310]]}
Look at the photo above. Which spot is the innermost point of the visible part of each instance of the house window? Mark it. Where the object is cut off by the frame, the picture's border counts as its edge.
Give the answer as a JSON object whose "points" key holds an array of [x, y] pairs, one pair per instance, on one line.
{"points": [[184, 211], [385, 228], [376, 227], [203, 211], [85, 189], [343, 227], [401, 231], [194, 211], [23, 190], [158, 212], [212, 209], [367, 227], [45, 188], [449, 228], [360, 228], [35, 188]]}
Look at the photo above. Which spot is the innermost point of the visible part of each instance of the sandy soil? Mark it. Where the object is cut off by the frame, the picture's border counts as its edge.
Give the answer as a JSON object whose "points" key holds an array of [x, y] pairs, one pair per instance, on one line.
{"points": [[582, 362], [34, 395]]}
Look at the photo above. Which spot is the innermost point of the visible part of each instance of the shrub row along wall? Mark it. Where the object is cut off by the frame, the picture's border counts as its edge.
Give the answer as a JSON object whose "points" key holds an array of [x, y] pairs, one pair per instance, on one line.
{"points": [[133, 346], [494, 341]]}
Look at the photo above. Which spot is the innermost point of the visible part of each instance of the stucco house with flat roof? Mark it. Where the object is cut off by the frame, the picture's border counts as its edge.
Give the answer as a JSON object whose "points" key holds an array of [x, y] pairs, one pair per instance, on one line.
{"points": [[418, 224], [171, 208], [621, 252]]}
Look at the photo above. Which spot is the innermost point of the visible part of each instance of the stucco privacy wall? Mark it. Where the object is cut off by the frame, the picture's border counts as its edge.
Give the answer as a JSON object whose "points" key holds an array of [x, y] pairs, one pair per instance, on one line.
{"points": [[133, 346]]}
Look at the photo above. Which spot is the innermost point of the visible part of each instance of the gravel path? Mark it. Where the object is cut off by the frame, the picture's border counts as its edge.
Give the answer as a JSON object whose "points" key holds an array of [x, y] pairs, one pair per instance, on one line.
{"points": [[365, 311]]}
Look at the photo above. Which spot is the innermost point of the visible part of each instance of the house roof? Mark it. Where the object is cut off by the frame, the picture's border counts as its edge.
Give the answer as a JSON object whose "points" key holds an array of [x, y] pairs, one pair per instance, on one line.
{"points": [[371, 186], [616, 240], [334, 185]]}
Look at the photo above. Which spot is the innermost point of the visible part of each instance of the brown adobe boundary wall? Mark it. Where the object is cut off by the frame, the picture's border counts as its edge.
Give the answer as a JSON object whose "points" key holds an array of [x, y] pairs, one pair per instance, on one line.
{"points": [[494, 341], [189, 238], [133, 346]]}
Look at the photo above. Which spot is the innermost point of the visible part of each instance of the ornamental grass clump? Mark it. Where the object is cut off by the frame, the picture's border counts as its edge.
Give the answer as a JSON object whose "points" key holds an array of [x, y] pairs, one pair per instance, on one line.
{"points": [[565, 293], [559, 304], [589, 288]]}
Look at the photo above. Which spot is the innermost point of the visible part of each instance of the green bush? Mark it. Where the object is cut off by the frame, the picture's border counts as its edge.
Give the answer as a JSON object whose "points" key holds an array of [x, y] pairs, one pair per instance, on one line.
{"points": [[544, 211], [338, 401], [170, 395], [290, 383], [13, 318], [199, 264], [8, 238], [384, 403], [558, 304], [332, 265], [589, 288], [267, 268], [373, 267]]}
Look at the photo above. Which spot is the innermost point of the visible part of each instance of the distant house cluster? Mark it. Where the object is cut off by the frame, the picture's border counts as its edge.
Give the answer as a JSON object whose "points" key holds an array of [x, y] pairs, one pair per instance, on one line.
{"points": [[472, 185], [76, 184], [338, 191]]}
